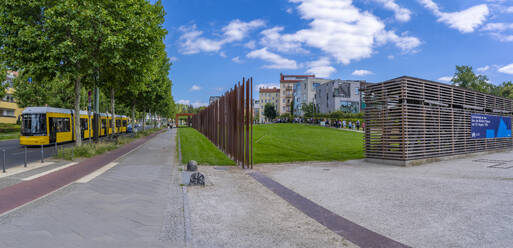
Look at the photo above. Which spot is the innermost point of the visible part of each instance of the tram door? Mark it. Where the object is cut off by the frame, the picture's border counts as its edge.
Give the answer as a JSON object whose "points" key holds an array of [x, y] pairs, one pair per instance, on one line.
{"points": [[53, 130], [104, 126]]}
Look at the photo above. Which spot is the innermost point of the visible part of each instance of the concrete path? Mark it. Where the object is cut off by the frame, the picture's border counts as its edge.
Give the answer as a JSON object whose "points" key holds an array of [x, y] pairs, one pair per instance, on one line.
{"points": [[136, 203], [458, 203], [234, 210]]}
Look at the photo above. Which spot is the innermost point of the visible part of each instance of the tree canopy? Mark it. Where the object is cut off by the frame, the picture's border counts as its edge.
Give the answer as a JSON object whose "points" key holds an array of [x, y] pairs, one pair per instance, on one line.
{"points": [[466, 78], [67, 47], [270, 111]]}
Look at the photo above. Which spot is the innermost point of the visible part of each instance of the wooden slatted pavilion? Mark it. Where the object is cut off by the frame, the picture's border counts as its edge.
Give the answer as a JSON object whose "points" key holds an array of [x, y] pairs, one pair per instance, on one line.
{"points": [[411, 121]]}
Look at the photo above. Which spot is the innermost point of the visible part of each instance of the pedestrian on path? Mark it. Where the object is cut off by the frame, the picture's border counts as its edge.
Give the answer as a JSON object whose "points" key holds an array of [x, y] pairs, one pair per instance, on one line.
{"points": [[358, 125]]}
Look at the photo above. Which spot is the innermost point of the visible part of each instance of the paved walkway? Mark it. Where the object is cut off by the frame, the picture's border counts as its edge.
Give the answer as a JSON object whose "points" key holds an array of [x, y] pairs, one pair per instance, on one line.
{"points": [[136, 203], [455, 203]]}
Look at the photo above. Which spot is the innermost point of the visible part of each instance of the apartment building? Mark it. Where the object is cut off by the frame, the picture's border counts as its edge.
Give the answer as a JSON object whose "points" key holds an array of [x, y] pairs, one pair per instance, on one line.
{"points": [[304, 93], [268, 95], [339, 95], [287, 83], [256, 110], [9, 110]]}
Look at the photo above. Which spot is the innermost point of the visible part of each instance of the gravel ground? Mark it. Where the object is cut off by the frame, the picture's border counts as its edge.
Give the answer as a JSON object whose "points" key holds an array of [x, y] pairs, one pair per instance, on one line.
{"points": [[457, 203], [236, 211]]}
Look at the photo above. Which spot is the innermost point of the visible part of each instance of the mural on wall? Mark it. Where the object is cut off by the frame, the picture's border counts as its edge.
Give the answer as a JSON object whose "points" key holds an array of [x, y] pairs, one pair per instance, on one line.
{"points": [[490, 126]]}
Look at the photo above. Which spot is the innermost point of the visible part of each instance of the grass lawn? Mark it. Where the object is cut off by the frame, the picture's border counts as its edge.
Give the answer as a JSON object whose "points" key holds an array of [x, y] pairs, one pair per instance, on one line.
{"points": [[9, 136], [195, 146], [278, 143]]}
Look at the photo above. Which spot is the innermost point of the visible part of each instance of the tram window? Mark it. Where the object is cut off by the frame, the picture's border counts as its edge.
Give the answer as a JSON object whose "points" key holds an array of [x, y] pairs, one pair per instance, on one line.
{"points": [[66, 127], [33, 124], [83, 124], [62, 124], [124, 123], [104, 123], [118, 123]]}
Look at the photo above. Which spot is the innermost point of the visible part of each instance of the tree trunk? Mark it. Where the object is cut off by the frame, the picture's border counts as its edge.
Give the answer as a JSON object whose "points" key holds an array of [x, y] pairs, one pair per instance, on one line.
{"points": [[76, 116], [133, 116], [113, 113], [144, 120]]}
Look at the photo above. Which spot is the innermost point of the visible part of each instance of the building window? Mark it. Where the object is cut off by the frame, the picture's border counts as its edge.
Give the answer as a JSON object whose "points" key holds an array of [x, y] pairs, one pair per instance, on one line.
{"points": [[7, 112], [342, 90]]}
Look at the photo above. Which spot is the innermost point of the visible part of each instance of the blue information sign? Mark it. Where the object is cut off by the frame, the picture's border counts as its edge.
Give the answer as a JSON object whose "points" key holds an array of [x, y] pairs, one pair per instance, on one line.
{"points": [[490, 126]]}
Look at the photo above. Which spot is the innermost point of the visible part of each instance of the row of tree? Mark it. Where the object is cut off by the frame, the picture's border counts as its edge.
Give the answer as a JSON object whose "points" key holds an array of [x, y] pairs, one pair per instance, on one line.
{"points": [[67, 48], [466, 78]]}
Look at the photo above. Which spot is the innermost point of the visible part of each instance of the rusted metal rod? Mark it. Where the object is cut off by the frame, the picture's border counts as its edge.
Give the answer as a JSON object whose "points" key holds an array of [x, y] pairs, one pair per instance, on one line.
{"points": [[228, 123]]}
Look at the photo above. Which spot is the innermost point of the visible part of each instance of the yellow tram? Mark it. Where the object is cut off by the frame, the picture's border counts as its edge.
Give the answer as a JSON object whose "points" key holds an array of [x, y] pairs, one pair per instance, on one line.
{"points": [[48, 125]]}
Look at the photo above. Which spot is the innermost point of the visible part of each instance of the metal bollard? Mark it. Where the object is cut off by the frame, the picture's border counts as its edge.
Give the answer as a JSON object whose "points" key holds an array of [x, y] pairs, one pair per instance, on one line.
{"points": [[3, 164], [42, 154], [25, 156], [72, 151]]}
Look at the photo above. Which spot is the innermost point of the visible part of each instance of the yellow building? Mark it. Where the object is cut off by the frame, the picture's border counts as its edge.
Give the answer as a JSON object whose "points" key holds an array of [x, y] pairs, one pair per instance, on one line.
{"points": [[270, 95], [9, 110]]}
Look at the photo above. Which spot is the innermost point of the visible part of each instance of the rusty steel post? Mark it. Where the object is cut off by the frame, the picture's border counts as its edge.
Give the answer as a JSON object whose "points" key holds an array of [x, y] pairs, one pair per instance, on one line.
{"points": [[228, 123]]}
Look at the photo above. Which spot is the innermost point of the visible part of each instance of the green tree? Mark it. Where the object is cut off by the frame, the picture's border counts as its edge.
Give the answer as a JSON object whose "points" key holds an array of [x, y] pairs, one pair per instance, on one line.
{"points": [[505, 89], [50, 39], [466, 78], [135, 40], [308, 109], [270, 111], [3, 86]]}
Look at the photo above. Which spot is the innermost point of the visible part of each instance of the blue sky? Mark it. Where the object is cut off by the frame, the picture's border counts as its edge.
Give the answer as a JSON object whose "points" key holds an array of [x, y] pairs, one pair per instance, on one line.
{"points": [[213, 44]]}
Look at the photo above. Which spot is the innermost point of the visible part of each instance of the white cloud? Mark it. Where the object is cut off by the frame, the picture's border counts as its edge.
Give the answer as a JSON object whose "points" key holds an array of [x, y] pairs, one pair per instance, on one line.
{"points": [[268, 86], [465, 21], [237, 30], [277, 61], [445, 79], [406, 43], [401, 14], [509, 9], [195, 104], [390, 57], [321, 67], [483, 69], [191, 41], [195, 87], [186, 102], [222, 54], [290, 10], [339, 29], [173, 59], [503, 38], [281, 43], [250, 44], [497, 26], [507, 69], [361, 73], [198, 104], [237, 60]]}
